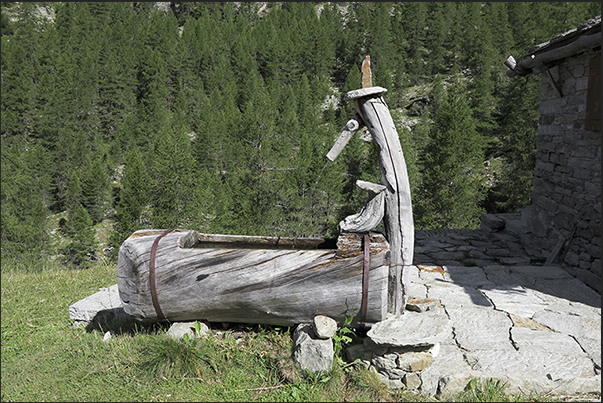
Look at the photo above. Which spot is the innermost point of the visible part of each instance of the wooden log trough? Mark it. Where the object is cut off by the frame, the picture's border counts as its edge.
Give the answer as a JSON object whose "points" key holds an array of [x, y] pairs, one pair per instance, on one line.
{"points": [[281, 281], [181, 275]]}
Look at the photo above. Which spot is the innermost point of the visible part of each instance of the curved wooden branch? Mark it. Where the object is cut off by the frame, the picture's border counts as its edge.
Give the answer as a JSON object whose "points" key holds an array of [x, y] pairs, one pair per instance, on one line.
{"points": [[399, 226]]}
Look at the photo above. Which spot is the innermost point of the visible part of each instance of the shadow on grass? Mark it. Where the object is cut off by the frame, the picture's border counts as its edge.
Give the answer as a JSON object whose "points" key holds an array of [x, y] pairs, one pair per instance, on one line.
{"points": [[118, 322]]}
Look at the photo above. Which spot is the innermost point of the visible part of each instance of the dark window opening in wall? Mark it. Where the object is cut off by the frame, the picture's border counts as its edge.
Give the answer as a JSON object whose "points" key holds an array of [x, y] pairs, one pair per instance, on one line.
{"points": [[593, 97]]}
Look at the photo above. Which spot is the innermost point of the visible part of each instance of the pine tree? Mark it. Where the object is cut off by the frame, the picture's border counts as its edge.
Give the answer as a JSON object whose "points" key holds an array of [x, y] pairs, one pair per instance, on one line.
{"points": [[226, 111], [262, 149], [352, 82], [520, 25], [81, 251], [452, 177], [328, 37], [414, 17], [73, 199], [348, 49], [178, 193], [69, 156], [133, 197], [17, 89], [153, 109], [96, 190], [411, 147], [519, 123], [438, 38], [117, 59], [417, 141], [24, 197], [380, 47]]}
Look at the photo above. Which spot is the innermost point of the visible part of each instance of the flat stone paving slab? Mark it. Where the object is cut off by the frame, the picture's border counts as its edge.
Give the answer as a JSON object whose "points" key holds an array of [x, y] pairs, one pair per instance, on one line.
{"points": [[412, 329], [515, 299], [104, 305], [535, 328]]}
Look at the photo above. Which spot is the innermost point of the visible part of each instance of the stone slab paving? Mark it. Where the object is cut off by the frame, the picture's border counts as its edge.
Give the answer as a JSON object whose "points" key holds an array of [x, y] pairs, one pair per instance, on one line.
{"points": [[534, 327], [412, 329]]}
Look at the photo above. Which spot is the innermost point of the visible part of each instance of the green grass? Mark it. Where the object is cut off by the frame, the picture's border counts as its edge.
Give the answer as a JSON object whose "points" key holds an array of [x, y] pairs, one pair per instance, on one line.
{"points": [[44, 358]]}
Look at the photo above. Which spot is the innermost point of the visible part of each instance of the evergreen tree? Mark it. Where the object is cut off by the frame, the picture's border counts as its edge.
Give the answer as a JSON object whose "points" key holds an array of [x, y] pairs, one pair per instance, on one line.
{"points": [[17, 89], [316, 184], [24, 198], [438, 39], [348, 48], [96, 190], [520, 25], [379, 45], [497, 18], [352, 82], [261, 143], [117, 67], [69, 156], [133, 197], [452, 177], [414, 17], [73, 199], [160, 34], [153, 94], [410, 147], [177, 196], [519, 123], [328, 37], [81, 251], [223, 103], [417, 141]]}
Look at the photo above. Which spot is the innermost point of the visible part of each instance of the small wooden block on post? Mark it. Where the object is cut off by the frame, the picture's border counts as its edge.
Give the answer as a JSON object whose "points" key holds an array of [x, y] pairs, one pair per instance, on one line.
{"points": [[367, 76]]}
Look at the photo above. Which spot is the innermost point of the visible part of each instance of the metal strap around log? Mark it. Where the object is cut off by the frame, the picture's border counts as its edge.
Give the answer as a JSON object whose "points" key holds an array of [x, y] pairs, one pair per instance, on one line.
{"points": [[366, 267], [158, 310]]}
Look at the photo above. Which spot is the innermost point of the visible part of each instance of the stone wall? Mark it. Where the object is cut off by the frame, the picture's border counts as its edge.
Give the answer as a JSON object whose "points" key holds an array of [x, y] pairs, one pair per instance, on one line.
{"points": [[566, 199]]}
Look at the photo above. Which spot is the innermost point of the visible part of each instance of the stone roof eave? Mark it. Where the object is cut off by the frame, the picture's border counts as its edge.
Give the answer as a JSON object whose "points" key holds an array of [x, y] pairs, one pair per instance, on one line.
{"points": [[538, 63], [542, 57]]}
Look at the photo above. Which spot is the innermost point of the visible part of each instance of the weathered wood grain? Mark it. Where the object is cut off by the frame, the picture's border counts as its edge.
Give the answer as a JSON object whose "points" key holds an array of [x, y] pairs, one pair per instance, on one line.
{"points": [[350, 128], [367, 74], [214, 279], [399, 226], [371, 213]]}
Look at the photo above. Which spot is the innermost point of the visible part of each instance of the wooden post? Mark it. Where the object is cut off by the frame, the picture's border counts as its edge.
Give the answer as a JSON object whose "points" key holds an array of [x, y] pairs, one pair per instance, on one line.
{"points": [[399, 226]]}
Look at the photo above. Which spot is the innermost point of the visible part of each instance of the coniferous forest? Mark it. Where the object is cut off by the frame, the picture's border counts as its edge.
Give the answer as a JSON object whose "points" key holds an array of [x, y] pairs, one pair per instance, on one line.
{"points": [[218, 116]]}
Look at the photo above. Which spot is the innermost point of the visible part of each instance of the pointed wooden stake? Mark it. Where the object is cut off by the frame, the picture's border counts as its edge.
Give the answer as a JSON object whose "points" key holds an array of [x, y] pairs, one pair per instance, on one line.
{"points": [[367, 77]]}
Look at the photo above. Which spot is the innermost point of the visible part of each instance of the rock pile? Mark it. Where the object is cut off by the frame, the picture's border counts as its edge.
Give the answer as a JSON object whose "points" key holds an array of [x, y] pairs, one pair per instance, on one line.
{"points": [[313, 350]]}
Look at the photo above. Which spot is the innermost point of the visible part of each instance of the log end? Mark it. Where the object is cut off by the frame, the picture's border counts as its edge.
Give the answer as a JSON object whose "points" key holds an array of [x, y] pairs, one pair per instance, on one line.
{"points": [[350, 244], [189, 239]]}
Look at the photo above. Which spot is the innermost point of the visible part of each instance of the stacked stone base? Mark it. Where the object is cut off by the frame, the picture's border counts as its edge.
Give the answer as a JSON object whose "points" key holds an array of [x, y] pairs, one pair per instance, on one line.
{"points": [[397, 367], [399, 349]]}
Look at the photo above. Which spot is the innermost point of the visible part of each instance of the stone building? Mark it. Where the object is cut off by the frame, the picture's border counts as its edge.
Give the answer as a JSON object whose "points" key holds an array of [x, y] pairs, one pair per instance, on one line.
{"points": [[563, 224]]}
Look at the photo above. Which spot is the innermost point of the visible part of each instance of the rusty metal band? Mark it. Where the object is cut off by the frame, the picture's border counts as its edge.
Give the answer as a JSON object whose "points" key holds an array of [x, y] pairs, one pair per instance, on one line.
{"points": [[158, 310], [366, 267]]}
